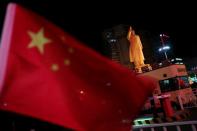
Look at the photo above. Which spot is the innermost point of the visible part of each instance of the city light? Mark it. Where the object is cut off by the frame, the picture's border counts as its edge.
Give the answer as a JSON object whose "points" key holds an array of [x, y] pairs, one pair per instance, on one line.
{"points": [[112, 40], [163, 35], [179, 63], [179, 59], [164, 48]]}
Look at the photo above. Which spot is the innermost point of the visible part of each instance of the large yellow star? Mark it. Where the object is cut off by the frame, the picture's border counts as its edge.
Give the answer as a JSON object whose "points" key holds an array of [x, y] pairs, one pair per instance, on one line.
{"points": [[38, 40]]}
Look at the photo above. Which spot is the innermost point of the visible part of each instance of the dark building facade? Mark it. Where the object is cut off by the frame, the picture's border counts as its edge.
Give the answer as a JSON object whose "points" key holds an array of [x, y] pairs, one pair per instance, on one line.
{"points": [[118, 45]]}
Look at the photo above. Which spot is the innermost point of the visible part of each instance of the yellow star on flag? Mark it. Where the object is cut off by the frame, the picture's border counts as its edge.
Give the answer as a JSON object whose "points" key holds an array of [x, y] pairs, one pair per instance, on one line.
{"points": [[70, 50], [63, 38], [67, 62], [38, 40], [54, 67]]}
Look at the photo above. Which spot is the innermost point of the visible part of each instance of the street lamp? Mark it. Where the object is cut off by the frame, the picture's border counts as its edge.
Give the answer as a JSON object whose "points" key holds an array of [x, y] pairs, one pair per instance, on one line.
{"points": [[164, 47]]}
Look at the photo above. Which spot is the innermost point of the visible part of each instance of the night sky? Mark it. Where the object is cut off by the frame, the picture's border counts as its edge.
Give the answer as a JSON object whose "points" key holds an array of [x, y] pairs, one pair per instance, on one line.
{"points": [[87, 20]]}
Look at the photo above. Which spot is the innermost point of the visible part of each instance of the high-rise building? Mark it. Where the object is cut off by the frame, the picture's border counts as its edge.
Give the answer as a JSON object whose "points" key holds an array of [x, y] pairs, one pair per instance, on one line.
{"points": [[118, 45]]}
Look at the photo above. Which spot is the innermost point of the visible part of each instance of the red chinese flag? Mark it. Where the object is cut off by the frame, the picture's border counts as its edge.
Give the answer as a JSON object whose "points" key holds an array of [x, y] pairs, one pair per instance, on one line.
{"points": [[49, 75]]}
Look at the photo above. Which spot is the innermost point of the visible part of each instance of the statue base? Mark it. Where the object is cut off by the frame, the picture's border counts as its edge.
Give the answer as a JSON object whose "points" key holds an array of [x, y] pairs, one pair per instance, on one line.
{"points": [[143, 68]]}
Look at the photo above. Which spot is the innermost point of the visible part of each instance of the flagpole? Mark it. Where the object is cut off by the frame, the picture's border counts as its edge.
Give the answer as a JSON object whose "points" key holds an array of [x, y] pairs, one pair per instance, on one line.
{"points": [[5, 41]]}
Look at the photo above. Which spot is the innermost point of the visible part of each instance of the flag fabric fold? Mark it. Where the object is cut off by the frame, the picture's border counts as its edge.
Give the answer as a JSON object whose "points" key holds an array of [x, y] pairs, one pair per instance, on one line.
{"points": [[49, 75]]}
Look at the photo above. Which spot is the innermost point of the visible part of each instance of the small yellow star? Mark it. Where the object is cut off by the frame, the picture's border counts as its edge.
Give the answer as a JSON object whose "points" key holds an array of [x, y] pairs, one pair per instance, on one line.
{"points": [[38, 40], [70, 50], [63, 38], [54, 67], [67, 62]]}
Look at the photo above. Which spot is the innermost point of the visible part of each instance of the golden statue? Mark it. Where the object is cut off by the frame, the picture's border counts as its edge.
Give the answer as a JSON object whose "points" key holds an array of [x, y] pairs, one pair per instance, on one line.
{"points": [[135, 49]]}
